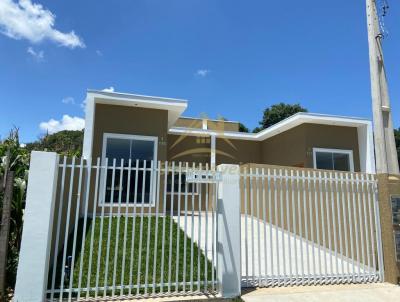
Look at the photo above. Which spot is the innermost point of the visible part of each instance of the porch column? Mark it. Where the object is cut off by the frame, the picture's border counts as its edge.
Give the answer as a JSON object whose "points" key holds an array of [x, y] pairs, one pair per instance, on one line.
{"points": [[213, 152], [228, 236], [34, 256]]}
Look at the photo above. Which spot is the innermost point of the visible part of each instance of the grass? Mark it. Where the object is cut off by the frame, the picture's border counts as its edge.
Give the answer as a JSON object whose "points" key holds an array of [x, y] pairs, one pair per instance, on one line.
{"points": [[119, 270]]}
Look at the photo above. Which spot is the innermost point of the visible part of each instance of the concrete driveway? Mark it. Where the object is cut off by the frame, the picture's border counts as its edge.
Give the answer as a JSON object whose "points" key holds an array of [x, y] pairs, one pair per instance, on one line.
{"points": [[307, 261], [377, 292]]}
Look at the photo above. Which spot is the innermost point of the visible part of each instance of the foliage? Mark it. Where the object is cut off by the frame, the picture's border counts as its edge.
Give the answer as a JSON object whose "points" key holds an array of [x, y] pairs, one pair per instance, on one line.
{"points": [[67, 142], [17, 161], [243, 128], [277, 113], [397, 138]]}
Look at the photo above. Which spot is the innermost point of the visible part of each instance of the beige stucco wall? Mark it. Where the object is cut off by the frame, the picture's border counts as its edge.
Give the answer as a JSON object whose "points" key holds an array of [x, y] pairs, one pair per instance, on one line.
{"points": [[192, 149], [294, 147], [197, 123], [129, 120], [234, 151]]}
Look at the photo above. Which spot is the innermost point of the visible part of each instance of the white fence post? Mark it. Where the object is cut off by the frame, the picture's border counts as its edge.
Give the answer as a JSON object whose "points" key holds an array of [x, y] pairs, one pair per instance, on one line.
{"points": [[34, 256], [228, 231]]}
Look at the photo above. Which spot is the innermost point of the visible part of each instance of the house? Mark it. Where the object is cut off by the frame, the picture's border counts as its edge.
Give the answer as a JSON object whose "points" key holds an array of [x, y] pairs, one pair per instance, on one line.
{"points": [[129, 126]]}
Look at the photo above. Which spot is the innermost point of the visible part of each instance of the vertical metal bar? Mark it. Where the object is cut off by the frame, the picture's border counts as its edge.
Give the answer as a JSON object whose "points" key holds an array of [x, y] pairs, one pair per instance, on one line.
{"points": [[132, 254], [94, 214], [251, 190], [328, 221], [118, 223], [344, 201], [314, 174], [304, 178], [340, 241], [361, 276], [178, 226], [282, 225], [78, 204], [170, 225], [276, 227], [246, 242], [264, 202], [365, 226], [349, 205], [199, 236], [83, 241], [334, 223], [270, 224], [192, 236], [103, 188], [125, 227], [163, 227], [157, 201], [185, 227], [257, 189], [206, 237], [354, 182], [310, 203], [288, 227], [300, 225], [71, 186], [111, 204], [371, 225], [293, 186], [60, 210], [213, 252], [149, 218], [141, 229], [322, 188]]}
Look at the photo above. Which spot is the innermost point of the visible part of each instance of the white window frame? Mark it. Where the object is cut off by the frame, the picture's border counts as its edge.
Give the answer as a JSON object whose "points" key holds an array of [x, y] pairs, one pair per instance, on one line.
{"points": [[153, 178], [341, 151]]}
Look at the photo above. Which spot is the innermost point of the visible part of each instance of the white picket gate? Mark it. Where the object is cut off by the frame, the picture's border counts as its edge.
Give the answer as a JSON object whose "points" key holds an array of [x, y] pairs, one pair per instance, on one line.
{"points": [[120, 230], [304, 227], [129, 229]]}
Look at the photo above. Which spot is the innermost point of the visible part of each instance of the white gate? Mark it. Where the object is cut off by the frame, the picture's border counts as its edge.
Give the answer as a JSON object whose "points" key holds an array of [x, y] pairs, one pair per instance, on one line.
{"points": [[302, 227], [129, 229]]}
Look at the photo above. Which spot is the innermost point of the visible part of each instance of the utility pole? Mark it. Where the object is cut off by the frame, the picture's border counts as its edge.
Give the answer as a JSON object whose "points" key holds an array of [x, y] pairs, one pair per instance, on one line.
{"points": [[385, 146]]}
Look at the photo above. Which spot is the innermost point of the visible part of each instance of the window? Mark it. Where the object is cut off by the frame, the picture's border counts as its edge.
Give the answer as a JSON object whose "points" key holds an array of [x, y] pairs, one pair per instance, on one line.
{"points": [[396, 209], [142, 151], [333, 159], [397, 244]]}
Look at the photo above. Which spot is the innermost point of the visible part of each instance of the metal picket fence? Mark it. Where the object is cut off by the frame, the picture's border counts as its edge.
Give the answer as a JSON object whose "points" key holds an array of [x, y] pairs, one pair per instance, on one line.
{"points": [[131, 229], [304, 227]]}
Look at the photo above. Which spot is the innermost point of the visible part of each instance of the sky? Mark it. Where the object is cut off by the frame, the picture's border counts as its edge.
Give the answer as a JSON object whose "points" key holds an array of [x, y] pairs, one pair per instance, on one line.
{"points": [[227, 58]]}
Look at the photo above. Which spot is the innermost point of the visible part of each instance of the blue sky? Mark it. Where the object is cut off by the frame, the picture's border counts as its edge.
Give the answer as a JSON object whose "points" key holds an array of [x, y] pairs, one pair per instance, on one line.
{"points": [[227, 58]]}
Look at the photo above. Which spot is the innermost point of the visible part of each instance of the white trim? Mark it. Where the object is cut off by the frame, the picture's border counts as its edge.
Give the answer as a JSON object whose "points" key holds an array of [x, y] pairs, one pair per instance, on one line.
{"points": [[213, 152], [340, 151], [175, 108], [154, 139]]}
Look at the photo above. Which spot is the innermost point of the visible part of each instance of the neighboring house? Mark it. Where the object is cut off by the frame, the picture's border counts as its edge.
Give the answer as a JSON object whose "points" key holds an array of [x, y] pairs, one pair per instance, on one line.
{"points": [[120, 125]]}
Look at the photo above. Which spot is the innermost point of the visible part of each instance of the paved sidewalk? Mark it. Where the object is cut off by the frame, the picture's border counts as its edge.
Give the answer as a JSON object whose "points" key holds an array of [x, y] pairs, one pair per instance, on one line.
{"points": [[378, 292]]}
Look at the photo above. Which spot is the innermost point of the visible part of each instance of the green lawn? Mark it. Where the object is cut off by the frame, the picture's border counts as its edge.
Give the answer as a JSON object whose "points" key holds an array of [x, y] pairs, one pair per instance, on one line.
{"points": [[122, 274]]}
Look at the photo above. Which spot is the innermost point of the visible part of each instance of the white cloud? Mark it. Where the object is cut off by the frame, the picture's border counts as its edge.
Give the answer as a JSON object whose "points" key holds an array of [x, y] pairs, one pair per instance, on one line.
{"points": [[37, 55], [68, 100], [66, 123], [33, 22], [203, 72], [99, 53], [110, 89]]}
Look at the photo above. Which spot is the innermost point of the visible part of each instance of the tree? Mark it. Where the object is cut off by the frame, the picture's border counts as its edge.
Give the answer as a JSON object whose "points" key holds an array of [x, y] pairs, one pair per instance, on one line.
{"points": [[397, 138], [67, 142], [277, 113], [243, 128]]}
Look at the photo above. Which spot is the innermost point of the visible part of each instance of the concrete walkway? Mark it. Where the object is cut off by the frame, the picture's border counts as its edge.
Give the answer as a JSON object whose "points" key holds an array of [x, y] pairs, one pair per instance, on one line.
{"points": [[378, 292]]}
